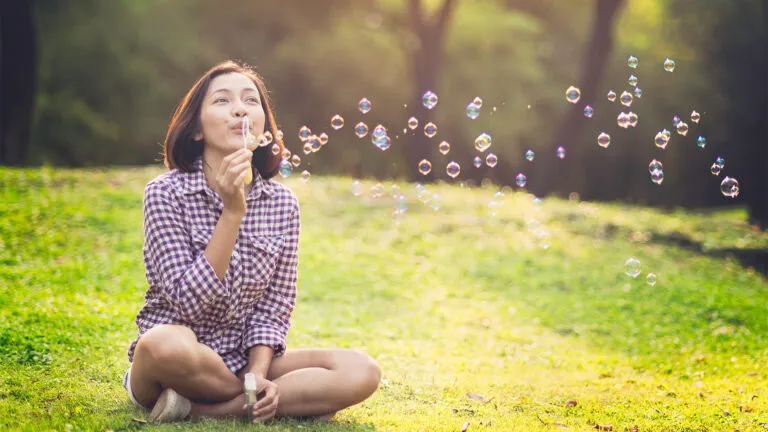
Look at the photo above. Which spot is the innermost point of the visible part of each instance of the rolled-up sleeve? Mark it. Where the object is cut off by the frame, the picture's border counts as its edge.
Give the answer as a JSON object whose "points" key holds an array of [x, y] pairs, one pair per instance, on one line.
{"points": [[271, 318], [189, 283]]}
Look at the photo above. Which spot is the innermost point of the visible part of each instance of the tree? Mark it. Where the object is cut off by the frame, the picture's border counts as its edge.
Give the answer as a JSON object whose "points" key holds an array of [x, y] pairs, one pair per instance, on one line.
{"points": [[17, 80]]}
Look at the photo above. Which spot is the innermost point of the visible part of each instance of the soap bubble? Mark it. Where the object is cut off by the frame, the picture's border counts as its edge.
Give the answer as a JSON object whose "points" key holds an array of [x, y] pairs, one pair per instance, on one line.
{"points": [[666, 133], [604, 140], [657, 176], [632, 80], [364, 105], [323, 138], [444, 147], [383, 143], [304, 133], [337, 122], [296, 160], [529, 155], [361, 130], [285, 168], [491, 160], [611, 96], [377, 191], [356, 188], [701, 142], [521, 180], [654, 165], [626, 98], [286, 154], [638, 92], [632, 62], [720, 161], [276, 149], [267, 139], [473, 111], [695, 117], [477, 101], [543, 238], [379, 132], [632, 267], [623, 120], [453, 169], [651, 278], [729, 187], [682, 128], [588, 111], [430, 129], [305, 175], [279, 135], [477, 162], [669, 65], [314, 141], [572, 95], [413, 123], [429, 100], [632, 119], [715, 169], [425, 167], [307, 148], [661, 140], [560, 152], [482, 142]]}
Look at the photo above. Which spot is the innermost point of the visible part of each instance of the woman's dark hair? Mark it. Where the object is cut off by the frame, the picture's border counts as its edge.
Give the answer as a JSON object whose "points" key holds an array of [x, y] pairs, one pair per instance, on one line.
{"points": [[181, 148]]}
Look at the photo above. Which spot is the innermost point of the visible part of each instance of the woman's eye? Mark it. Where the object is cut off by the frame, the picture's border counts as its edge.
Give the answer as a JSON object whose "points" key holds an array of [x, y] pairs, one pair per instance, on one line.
{"points": [[253, 100], [221, 99]]}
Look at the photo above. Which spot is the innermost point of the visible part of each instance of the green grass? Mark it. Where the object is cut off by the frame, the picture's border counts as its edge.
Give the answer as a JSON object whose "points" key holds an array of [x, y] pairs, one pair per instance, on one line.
{"points": [[450, 302]]}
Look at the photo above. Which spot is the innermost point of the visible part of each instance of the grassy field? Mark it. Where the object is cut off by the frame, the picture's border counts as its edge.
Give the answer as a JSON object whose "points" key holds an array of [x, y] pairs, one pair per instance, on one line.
{"points": [[473, 317]]}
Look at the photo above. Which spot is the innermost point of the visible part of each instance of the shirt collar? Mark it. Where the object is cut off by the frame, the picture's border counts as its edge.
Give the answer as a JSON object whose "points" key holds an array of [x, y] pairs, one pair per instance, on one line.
{"points": [[195, 181]]}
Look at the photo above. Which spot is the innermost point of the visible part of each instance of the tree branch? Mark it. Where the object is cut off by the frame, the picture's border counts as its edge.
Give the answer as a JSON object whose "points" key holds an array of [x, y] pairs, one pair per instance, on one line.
{"points": [[445, 16]]}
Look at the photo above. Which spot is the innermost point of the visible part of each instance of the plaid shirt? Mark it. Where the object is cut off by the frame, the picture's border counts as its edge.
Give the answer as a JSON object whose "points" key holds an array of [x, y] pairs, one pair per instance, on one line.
{"points": [[253, 304]]}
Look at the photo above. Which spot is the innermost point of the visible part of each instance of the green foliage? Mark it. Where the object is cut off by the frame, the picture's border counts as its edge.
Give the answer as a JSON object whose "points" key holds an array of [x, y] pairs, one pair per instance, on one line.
{"points": [[450, 302]]}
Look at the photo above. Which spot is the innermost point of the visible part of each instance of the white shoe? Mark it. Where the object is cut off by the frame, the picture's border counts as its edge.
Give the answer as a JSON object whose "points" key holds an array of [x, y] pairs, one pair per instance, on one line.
{"points": [[170, 406]]}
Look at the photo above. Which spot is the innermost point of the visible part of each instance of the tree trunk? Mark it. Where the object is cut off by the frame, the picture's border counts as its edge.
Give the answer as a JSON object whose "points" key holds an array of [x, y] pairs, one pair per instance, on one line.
{"points": [[17, 79], [593, 68], [427, 59]]}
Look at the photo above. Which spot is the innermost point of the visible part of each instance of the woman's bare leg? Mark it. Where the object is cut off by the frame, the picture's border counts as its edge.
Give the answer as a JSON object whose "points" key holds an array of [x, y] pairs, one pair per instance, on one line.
{"points": [[170, 356]]}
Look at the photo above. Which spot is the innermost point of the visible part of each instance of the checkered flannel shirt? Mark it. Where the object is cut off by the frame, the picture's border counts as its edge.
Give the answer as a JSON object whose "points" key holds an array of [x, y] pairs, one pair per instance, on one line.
{"points": [[253, 304]]}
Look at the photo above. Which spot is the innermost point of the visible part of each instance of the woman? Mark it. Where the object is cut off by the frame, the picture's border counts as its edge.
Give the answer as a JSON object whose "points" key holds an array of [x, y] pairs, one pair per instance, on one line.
{"points": [[221, 258]]}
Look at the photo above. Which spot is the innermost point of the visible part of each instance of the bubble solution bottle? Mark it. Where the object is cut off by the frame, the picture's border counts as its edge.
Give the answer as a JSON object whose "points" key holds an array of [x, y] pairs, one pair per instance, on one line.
{"points": [[250, 393]]}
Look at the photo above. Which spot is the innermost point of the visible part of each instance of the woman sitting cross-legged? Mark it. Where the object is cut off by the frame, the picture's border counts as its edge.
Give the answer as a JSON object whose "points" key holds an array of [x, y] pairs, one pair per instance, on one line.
{"points": [[221, 256]]}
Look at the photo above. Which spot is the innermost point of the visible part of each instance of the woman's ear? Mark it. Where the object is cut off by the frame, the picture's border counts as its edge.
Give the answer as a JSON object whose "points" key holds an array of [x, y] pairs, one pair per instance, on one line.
{"points": [[198, 136]]}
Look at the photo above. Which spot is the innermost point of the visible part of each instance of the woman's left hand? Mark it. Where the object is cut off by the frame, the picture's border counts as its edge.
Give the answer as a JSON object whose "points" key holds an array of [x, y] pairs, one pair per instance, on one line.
{"points": [[266, 406]]}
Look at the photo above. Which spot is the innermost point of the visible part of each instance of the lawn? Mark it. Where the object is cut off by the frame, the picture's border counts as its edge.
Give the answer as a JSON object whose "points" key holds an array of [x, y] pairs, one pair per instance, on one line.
{"points": [[517, 316]]}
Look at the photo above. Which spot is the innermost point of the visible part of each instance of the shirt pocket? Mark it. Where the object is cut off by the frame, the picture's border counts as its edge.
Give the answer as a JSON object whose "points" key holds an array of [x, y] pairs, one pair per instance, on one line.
{"points": [[259, 255]]}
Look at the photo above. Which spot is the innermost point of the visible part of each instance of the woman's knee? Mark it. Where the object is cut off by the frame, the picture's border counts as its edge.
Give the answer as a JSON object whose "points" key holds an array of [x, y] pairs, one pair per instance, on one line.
{"points": [[364, 373], [170, 346]]}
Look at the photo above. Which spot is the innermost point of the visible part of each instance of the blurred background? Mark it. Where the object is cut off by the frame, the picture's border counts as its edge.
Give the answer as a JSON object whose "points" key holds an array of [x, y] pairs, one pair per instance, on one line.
{"points": [[94, 83]]}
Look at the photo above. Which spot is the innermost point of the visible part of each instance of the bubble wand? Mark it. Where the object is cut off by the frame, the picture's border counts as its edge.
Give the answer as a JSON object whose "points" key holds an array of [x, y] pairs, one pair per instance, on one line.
{"points": [[247, 139]]}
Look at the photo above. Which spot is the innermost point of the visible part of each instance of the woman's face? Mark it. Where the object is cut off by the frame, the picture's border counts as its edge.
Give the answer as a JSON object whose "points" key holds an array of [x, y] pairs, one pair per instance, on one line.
{"points": [[229, 99]]}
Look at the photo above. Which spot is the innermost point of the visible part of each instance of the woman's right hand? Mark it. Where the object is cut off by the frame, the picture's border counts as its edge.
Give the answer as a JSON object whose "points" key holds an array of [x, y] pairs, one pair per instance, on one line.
{"points": [[230, 180]]}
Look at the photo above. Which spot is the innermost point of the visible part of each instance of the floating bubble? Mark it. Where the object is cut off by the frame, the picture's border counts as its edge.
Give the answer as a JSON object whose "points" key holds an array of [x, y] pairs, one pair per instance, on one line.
{"points": [[632, 119], [623, 120], [377, 191], [666, 133], [543, 238], [337, 122], [626, 98], [267, 137], [638, 92], [314, 141], [279, 135], [421, 193], [364, 105], [701, 142], [361, 130], [276, 149], [478, 101], [425, 167], [669, 65], [483, 142], [429, 100], [307, 148], [715, 169], [401, 203], [632, 267], [430, 129], [383, 143], [720, 161], [588, 111], [661, 140], [435, 201], [560, 152], [477, 162], [632, 80], [572, 95], [356, 188], [323, 138], [729, 187], [651, 279], [260, 142], [657, 176], [521, 180], [473, 111], [379, 132], [682, 128], [453, 169], [611, 96], [529, 155], [604, 140], [304, 133], [444, 147], [654, 165], [491, 160], [413, 123], [675, 120], [305, 175], [296, 160], [695, 117], [285, 168], [286, 154], [632, 62]]}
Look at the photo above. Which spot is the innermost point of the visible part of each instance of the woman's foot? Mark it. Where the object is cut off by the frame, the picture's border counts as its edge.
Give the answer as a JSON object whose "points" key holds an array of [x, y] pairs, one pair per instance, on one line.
{"points": [[170, 406]]}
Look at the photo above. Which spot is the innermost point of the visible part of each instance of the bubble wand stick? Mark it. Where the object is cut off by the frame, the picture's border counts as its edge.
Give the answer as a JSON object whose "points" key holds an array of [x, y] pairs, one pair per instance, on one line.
{"points": [[247, 138]]}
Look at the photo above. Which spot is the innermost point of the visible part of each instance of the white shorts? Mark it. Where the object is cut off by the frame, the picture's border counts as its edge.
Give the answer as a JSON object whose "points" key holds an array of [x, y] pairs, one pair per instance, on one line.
{"points": [[127, 385]]}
